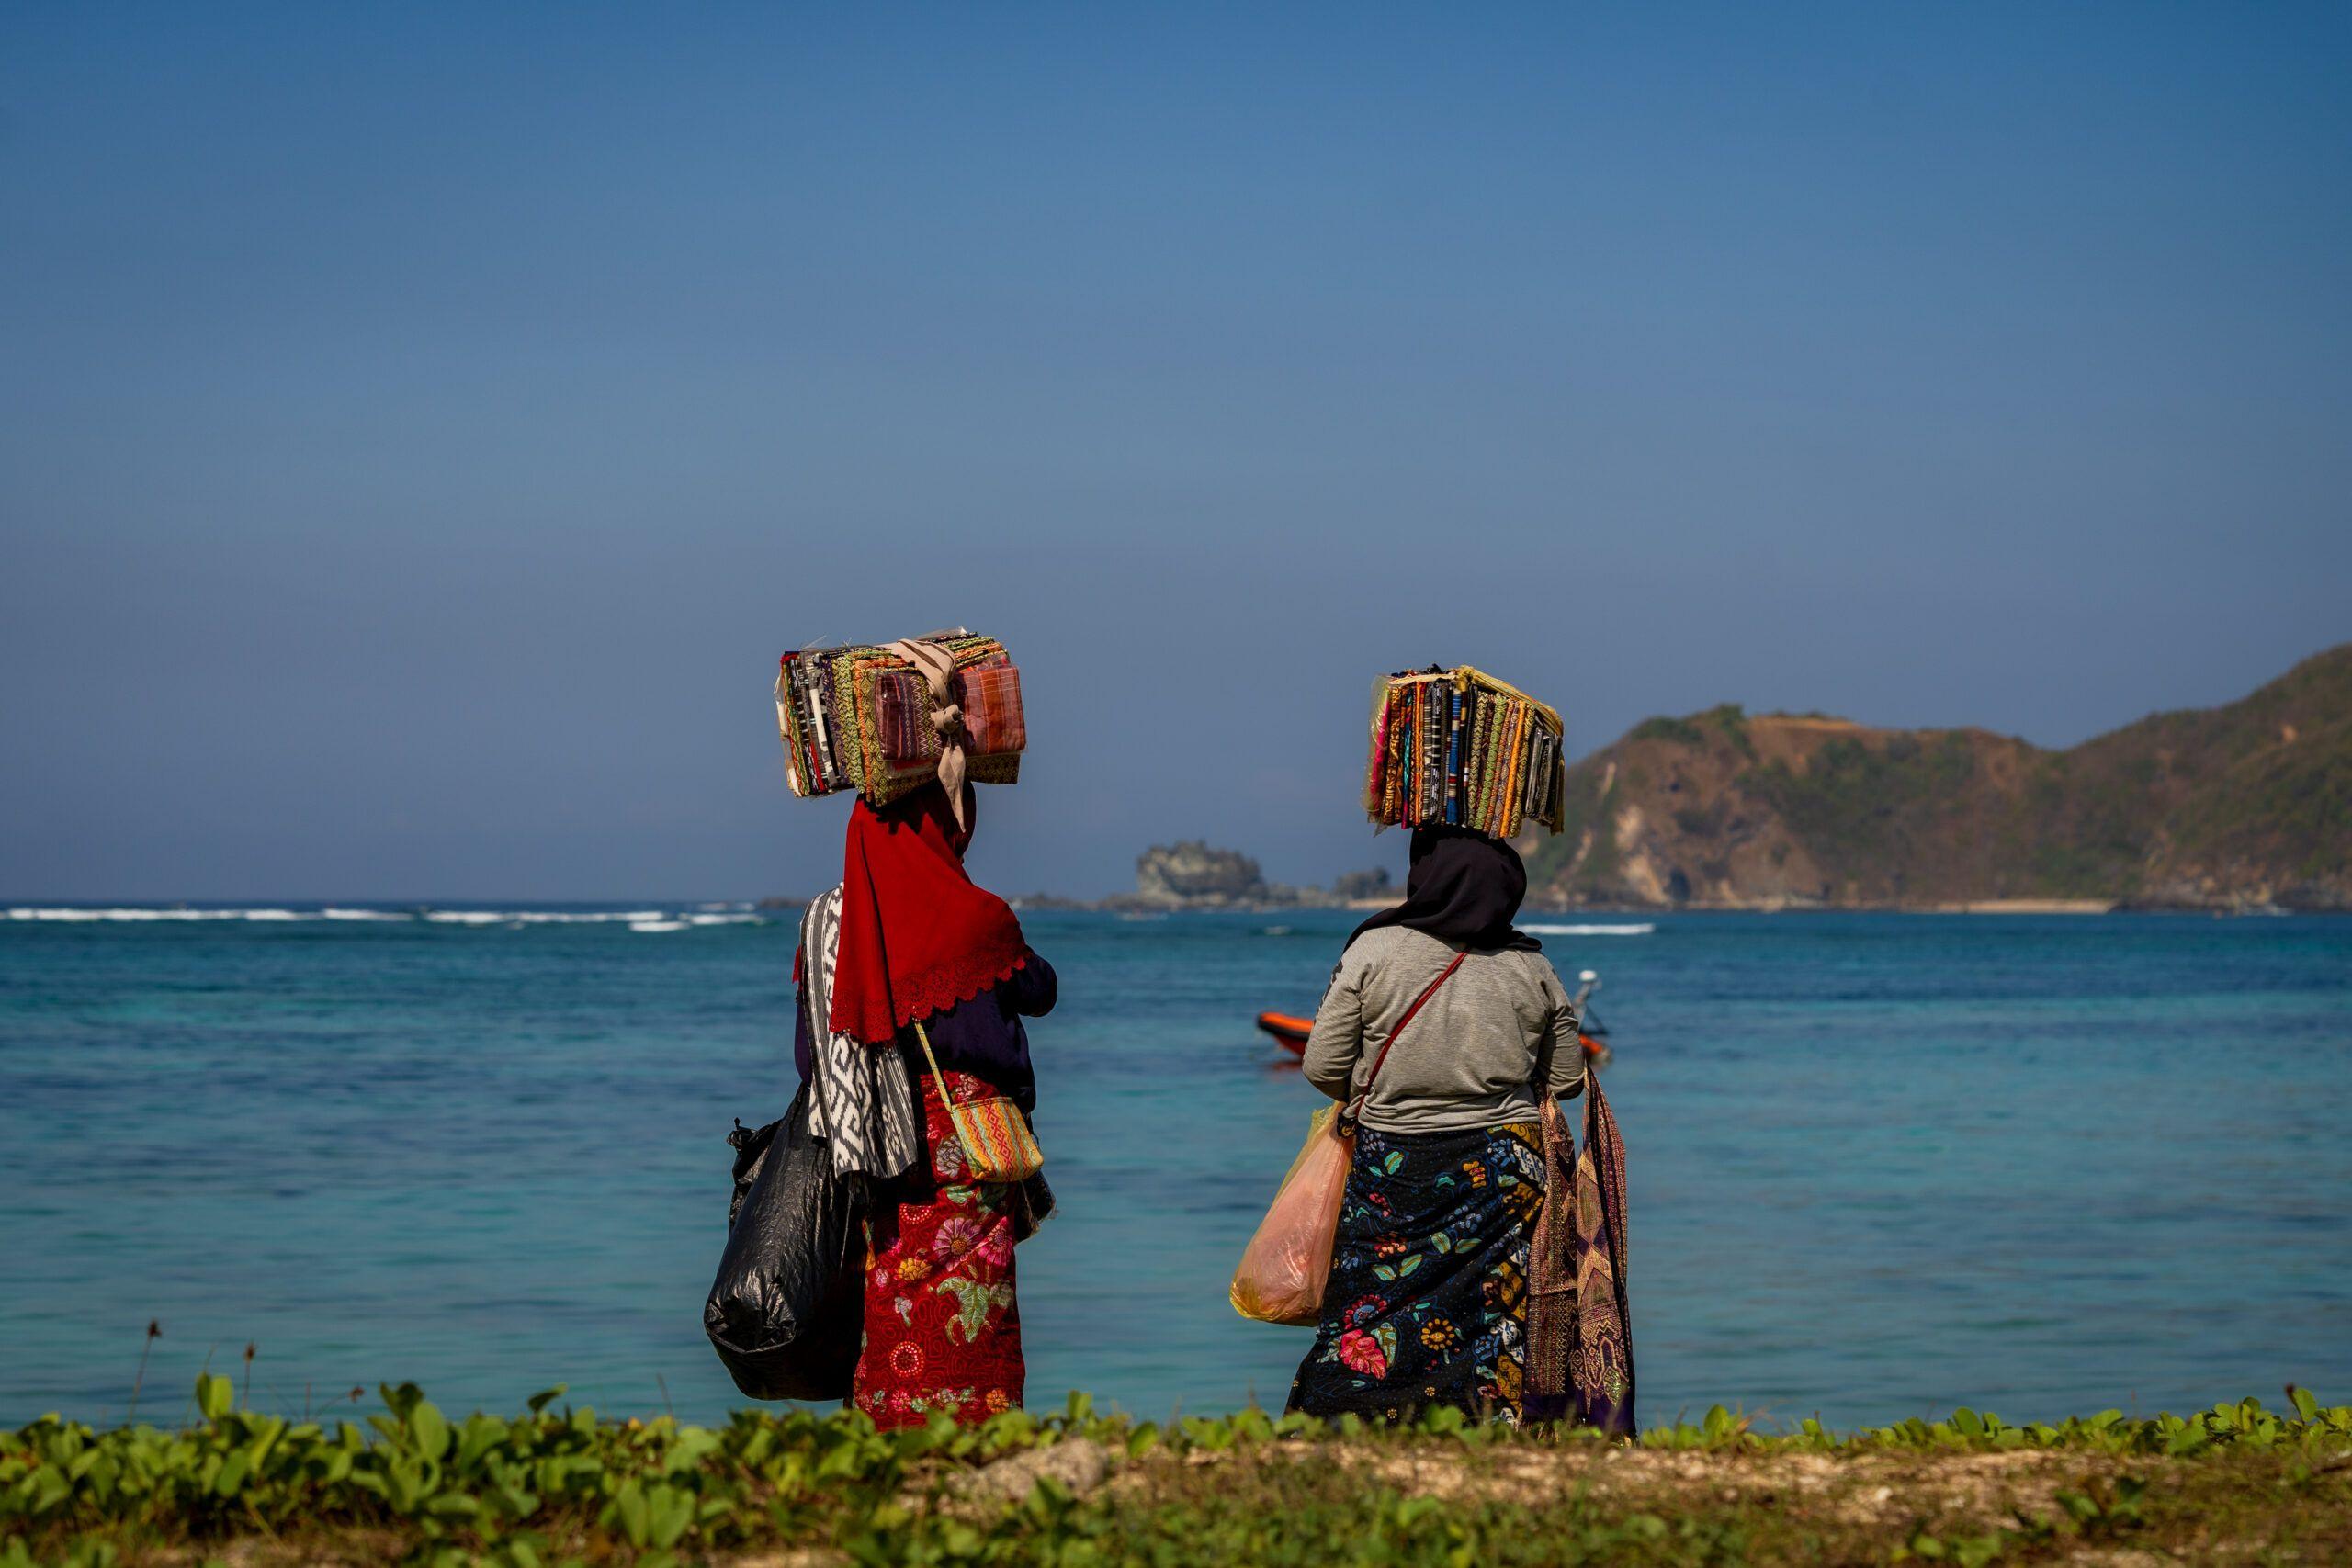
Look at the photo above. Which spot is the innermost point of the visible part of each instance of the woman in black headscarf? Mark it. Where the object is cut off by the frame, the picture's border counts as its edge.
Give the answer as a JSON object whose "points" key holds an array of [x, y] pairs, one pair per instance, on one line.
{"points": [[1426, 1301]]}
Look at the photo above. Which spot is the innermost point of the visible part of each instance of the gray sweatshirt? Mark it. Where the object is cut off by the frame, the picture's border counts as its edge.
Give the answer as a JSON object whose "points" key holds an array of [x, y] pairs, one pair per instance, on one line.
{"points": [[1471, 1059]]}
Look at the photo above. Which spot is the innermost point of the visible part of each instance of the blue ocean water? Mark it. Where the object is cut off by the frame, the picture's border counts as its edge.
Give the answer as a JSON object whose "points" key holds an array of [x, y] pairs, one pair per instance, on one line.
{"points": [[1881, 1165]]}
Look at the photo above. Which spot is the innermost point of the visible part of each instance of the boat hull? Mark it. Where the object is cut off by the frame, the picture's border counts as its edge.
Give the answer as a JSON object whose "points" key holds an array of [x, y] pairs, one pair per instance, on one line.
{"points": [[1290, 1032]]}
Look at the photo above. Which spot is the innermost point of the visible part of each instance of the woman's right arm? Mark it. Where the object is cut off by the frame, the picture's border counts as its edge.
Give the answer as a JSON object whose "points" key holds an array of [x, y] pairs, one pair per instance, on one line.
{"points": [[1337, 1041], [804, 1049], [1563, 1047]]}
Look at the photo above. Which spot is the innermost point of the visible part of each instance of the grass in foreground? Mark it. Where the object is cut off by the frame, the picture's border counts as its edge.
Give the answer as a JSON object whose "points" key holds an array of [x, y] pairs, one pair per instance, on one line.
{"points": [[2235, 1484]]}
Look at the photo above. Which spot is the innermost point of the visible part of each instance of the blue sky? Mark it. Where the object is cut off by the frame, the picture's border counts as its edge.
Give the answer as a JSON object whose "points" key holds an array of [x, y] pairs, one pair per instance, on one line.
{"points": [[422, 427]]}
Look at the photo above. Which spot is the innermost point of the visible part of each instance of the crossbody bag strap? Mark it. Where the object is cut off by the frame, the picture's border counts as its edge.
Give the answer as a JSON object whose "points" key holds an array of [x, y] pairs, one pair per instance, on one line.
{"points": [[1355, 1106], [937, 1077], [954, 1111]]}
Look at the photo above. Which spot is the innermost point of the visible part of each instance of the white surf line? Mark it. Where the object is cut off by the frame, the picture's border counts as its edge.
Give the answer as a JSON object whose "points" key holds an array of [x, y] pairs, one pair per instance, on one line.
{"points": [[84, 916], [635, 919], [541, 917]]}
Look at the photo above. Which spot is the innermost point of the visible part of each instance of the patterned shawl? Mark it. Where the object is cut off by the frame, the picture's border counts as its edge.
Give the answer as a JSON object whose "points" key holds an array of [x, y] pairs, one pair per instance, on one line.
{"points": [[864, 1107], [1579, 1329]]}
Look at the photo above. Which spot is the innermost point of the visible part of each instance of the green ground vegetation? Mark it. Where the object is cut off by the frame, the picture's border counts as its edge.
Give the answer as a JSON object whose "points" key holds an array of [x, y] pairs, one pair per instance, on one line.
{"points": [[2239, 1482]]}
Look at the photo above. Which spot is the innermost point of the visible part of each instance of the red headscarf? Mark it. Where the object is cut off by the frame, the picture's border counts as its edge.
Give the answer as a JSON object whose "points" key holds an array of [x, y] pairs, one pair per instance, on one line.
{"points": [[917, 935]]}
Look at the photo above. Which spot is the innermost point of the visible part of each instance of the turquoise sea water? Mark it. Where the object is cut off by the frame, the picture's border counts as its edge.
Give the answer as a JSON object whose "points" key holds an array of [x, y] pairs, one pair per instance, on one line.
{"points": [[1879, 1165]]}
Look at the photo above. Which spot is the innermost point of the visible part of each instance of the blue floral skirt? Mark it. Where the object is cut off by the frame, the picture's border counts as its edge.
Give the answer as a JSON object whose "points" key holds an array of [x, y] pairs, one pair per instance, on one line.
{"points": [[1427, 1304]]}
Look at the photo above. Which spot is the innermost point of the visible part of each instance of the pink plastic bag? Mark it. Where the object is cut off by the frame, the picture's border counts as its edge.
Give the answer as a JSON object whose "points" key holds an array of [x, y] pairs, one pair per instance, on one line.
{"points": [[1286, 1264]]}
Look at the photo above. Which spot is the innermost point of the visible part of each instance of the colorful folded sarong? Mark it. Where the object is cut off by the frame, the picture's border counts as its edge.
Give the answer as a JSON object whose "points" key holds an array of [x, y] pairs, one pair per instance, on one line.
{"points": [[1458, 746], [861, 718]]}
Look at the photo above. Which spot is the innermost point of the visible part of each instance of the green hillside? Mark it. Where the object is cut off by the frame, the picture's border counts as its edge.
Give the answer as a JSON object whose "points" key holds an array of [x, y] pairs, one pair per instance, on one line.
{"points": [[2249, 804]]}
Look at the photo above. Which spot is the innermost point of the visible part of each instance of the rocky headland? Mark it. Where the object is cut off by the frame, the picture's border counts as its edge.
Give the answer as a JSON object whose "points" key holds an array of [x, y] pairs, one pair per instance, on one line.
{"points": [[2239, 807]]}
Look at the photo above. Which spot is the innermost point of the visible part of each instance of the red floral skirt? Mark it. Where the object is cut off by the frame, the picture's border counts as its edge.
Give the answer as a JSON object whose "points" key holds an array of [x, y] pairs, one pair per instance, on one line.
{"points": [[942, 1331]]}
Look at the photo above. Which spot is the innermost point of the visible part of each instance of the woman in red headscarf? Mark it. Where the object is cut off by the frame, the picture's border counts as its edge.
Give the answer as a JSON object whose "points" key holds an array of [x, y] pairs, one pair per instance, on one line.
{"points": [[909, 940]]}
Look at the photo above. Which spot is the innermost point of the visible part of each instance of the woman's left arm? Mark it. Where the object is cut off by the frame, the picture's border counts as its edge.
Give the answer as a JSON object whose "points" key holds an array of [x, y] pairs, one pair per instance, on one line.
{"points": [[804, 1047], [1336, 1044]]}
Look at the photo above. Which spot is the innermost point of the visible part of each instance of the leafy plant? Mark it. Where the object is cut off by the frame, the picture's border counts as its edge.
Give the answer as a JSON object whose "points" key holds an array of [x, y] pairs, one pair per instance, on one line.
{"points": [[559, 1485]]}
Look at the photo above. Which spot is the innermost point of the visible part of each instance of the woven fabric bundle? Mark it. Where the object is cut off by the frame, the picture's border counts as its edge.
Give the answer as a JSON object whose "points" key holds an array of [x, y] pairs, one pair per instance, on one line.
{"points": [[1460, 747], [861, 717]]}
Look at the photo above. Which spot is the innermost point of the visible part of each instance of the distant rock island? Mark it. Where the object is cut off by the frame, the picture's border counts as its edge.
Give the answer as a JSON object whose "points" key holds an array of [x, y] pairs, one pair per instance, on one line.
{"points": [[1191, 874], [2244, 807], [1194, 875]]}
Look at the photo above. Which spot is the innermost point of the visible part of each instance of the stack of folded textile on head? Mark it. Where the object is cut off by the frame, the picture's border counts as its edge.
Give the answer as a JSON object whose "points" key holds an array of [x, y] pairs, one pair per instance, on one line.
{"points": [[867, 719], [1458, 746]]}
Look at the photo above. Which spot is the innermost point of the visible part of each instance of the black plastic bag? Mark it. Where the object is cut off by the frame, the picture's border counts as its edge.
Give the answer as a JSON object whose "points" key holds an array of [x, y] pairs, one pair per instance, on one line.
{"points": [[785, 1313]]}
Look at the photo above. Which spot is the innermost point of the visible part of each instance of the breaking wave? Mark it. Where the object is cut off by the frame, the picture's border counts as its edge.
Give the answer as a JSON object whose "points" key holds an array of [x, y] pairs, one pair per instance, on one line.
{"points": [[77, 917], [635, 919], [541, 917]]}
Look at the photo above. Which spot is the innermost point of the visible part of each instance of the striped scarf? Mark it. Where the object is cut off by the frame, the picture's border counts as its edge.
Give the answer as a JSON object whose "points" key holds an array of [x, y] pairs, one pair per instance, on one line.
{"points": [[864, 1107]]}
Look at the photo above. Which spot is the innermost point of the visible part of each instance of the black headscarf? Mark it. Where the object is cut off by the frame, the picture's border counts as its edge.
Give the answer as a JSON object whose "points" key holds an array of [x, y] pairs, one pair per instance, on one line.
{"points": [[1464, 888]]}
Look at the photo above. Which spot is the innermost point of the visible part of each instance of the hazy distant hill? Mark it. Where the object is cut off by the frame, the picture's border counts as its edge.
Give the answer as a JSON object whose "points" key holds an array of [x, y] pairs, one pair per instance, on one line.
{"points": [[2248, 803]]}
